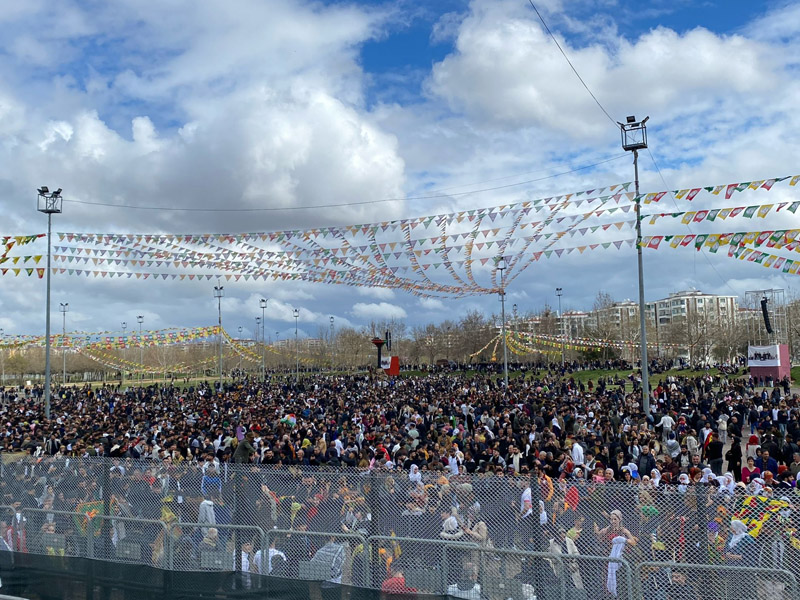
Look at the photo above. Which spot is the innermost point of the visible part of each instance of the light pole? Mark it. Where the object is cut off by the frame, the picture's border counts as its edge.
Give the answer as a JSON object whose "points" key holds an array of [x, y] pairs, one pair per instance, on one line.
{"points": [[3, 356], [240, 343], [332, 345], [296, 314], [559, 293], [122, 369], [50, 204], [263, 304], [634, 138], [64, 310], [140, 320], [219, 292], [501, 266]]}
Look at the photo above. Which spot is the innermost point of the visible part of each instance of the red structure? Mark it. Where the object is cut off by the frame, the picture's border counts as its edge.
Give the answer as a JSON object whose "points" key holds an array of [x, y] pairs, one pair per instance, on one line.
{"points": [[379, 342]]}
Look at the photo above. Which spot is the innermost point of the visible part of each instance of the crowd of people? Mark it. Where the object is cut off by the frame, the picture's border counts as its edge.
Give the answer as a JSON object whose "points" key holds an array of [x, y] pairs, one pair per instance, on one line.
{"points": [[574, 468]]}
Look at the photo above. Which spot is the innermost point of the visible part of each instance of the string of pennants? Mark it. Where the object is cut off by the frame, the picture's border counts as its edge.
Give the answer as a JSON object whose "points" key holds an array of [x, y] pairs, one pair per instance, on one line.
{"points": [[120, 364], [454, 254], [581, 343], [698, 216], [518, 346], [99, 340], [249, 354], [737, 243]]}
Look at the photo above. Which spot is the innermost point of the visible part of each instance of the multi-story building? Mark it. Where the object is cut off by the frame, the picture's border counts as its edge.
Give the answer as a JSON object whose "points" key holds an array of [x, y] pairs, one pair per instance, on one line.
{"points": [[680, 306], [618, 317]]}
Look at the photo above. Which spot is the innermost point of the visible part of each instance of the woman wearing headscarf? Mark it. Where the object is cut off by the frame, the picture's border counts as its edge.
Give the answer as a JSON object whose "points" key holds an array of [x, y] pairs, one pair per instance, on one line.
{"points": [[741, 550], [615, 538]]}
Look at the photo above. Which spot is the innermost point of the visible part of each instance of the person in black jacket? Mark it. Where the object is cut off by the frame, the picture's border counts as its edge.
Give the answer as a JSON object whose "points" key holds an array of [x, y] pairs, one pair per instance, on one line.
{"points": [[646, 461], [734, 458], [714, 453]]}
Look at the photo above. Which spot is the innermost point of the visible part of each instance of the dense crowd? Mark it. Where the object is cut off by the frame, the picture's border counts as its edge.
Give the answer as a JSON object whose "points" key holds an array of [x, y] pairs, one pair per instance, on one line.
{"points": [[551, 464]]}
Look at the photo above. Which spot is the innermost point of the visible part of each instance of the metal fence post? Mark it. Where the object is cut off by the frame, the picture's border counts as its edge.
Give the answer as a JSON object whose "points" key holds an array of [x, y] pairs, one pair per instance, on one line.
{"points": [[105, 537]]}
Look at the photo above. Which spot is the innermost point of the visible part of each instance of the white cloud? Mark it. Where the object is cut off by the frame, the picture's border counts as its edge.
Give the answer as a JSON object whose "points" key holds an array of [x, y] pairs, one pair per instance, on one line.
{"points": [[507, 70], [379, 293], [378, 311], [431, 304]]}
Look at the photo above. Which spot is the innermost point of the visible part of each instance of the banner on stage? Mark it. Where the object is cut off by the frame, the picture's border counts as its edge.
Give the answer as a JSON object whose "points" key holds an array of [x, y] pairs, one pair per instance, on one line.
{"points": [[763, 356]]}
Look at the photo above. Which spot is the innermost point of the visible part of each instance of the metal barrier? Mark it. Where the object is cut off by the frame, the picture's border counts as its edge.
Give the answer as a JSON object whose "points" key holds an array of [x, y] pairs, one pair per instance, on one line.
{"points": [[524, 575], [298, 548], [678, 581], [133, 546], [45, 534], [424, 574], [382, 516], [201, 550]]}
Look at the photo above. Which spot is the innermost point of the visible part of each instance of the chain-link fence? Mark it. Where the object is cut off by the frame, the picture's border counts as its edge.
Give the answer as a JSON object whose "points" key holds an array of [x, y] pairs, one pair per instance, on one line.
{"points": [[523, 536]]}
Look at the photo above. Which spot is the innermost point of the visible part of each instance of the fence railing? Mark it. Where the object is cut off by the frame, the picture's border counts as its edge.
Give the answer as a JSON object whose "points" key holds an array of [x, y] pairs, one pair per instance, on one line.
{"points": [[367, 561], [520, 535]]}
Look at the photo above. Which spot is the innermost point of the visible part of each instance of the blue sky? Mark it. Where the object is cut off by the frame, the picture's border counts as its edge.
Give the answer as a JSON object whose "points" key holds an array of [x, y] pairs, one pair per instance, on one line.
{"points": [[291, 103]]}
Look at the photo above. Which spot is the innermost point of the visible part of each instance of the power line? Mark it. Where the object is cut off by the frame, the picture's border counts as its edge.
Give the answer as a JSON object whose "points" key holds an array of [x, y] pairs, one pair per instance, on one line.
{"points": [[569, 62], [343, 204]]}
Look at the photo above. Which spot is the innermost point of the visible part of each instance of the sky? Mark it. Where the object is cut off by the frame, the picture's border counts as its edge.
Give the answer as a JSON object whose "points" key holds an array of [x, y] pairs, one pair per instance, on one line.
{"points": [[445, 106]]}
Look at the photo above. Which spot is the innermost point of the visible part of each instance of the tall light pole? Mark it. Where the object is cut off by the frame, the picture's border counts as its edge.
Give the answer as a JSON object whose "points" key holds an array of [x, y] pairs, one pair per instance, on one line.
{"points": [[122, 369], [240, 341], [140, 320], [501, 266], [3, 355], [50, 204], [64, 310], [263, 304], [634, 138], [332, 345], [559, 293], [296, 314], [219, 292]]}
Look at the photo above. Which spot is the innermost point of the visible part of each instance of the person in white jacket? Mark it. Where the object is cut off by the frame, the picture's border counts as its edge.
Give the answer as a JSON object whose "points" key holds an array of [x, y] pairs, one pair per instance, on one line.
{"points": [[206, 514]]}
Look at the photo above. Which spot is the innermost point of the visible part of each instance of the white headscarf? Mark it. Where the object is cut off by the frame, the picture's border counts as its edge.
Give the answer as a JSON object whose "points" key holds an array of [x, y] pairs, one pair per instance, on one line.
{"points": [[414, 475], [655, 476], [708, 474], [542, 514], [727, 485], [739, 532]]}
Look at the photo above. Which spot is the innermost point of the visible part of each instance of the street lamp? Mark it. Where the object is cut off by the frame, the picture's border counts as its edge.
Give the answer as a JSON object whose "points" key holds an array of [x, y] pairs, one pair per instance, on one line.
{"points": [[501, 266], [559, 293], [332, 344], [64, 310], [634, 138], [296, 314], [122, 368], [263, 304], [219, 292], [50, 204], [240, 352], [140, 320]]}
